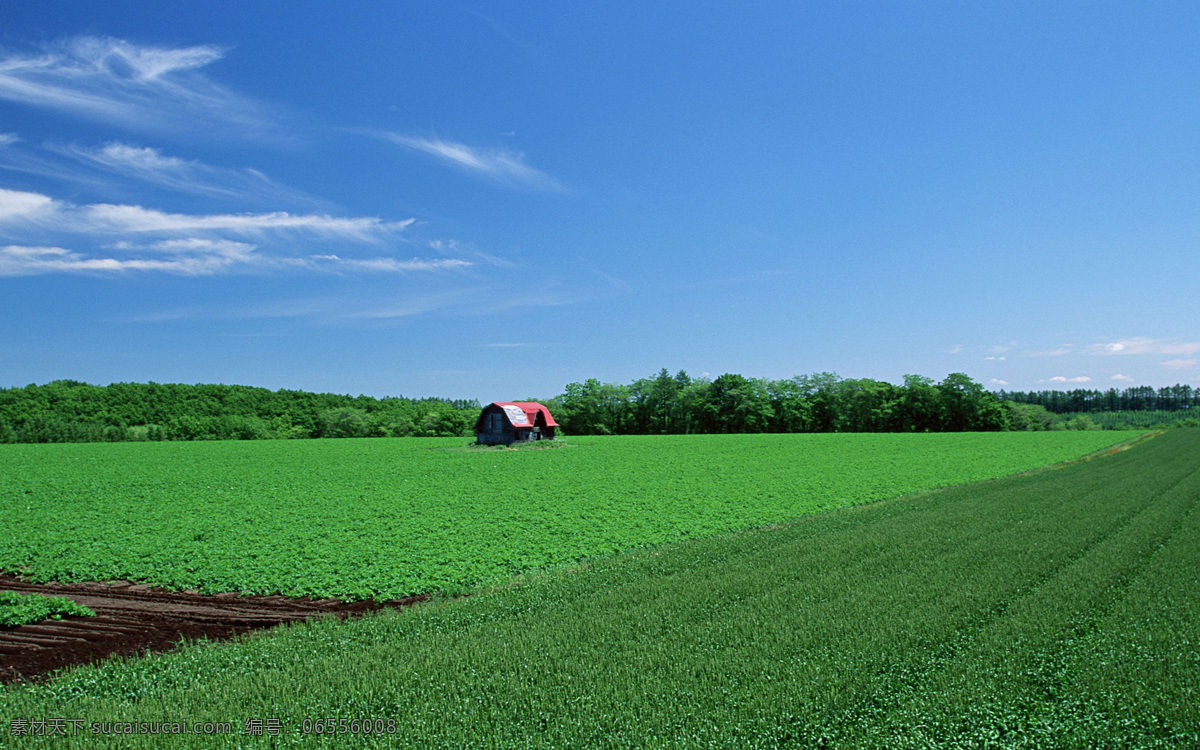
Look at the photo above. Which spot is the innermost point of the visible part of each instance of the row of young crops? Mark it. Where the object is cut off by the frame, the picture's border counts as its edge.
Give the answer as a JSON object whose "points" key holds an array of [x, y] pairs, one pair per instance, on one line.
{"points": [[389, 518], [20, 609], [1054, 609]]}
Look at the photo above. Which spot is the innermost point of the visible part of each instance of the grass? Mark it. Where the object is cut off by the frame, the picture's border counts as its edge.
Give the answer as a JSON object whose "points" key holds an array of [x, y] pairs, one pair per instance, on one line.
{"points": [[1053, 609]]}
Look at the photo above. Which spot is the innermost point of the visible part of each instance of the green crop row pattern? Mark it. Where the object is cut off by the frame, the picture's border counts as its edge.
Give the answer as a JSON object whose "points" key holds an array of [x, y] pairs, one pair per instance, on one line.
{"points": [[390, 518], [1055, 609]]}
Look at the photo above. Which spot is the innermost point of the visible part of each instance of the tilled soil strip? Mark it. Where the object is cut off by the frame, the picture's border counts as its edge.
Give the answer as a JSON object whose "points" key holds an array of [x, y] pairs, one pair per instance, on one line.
{"points": [[133, 619]]}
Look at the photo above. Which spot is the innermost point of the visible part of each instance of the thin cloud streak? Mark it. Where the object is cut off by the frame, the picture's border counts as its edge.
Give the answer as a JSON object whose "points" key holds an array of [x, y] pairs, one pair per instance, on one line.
{"points": [[1180, 364], [40, 210], [391, 265], [496, 164], [199, 257], [1060, 352], [32, 261], [106, 217], [182, 175], [462, 249], [95, 167]]}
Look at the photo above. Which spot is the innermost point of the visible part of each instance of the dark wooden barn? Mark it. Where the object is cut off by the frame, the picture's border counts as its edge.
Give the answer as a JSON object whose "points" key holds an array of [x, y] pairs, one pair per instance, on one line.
{"points": [[504, 423]]}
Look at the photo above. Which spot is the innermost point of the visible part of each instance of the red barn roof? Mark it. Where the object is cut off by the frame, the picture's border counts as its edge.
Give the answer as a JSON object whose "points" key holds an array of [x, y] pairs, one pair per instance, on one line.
{"points": [[522, 413], [531, 409]]}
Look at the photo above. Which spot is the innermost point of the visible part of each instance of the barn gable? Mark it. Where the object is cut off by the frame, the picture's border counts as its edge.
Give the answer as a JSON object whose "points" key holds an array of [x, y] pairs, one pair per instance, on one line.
{"points": [[505, 422]]}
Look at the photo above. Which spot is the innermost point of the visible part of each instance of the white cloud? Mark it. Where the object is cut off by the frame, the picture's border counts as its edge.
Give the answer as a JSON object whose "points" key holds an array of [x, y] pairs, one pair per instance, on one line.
{"points": [[135, 86], [7, 139], [108, 218], [995, 359], [462, 249], [997, 381], [30, 261], [1059, 352], [955, 349], [1143, 345], [184, 175], [390, 265], [19, 206], [1061, 379], [1180, 364], [95, 166], [498, 164], [1122, 378], [148, 240], [197, 257]]}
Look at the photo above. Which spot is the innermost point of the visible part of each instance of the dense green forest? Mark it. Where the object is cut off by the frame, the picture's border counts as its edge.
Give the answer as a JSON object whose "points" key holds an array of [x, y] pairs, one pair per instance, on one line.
{"points": [[71, 411], [1082, 400], [673, 404]]}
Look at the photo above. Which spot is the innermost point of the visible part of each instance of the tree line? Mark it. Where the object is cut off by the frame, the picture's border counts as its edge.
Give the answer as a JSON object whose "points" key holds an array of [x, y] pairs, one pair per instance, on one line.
{"points": [[1138, 398], [71, 411], [824, 402]]}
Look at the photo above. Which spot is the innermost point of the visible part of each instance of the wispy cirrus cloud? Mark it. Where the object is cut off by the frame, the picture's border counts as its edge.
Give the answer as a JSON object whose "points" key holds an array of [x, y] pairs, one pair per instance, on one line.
{"points": [[500, 165], [1061, 351], [1180, 364], [183, 175], [140, 87], [95, 167], [391, 265], [107, 217], [141, 239], [37, 210], [198, 257], [467, 250], [195, 261]]}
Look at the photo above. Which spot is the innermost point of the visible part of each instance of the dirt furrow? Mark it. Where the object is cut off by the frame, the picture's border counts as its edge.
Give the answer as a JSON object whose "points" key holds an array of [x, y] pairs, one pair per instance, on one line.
{"points": [[134, 619]]}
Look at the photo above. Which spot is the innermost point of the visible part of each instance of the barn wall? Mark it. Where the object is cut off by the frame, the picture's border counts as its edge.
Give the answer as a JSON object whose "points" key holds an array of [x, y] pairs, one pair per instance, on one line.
{"points": [[495, 437]]}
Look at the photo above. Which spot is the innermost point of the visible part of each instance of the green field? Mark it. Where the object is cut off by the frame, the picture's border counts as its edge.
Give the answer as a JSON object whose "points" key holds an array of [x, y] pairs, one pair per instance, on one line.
{"points": [[392, 517], [1057, 609]]}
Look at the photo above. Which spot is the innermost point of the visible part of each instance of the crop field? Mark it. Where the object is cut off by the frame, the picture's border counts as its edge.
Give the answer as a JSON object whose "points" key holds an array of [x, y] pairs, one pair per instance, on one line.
{"points": [[389, 518], [1057, 609], [19, 609]]}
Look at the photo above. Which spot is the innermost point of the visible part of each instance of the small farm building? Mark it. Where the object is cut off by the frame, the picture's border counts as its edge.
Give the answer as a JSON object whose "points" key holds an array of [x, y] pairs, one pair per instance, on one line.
{"points": [[507, 423]]}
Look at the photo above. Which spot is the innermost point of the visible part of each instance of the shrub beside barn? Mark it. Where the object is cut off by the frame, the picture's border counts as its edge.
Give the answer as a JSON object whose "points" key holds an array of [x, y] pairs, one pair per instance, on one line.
{"points": [[505, 423]]}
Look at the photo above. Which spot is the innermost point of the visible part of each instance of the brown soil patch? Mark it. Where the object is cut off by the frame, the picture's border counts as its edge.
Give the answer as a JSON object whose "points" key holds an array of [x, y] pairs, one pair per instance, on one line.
{"points": [[133, 619]]}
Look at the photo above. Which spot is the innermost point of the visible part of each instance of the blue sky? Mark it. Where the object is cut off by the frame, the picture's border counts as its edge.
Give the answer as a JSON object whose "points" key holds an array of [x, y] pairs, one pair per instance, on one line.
{"points": [[491, 200]]}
